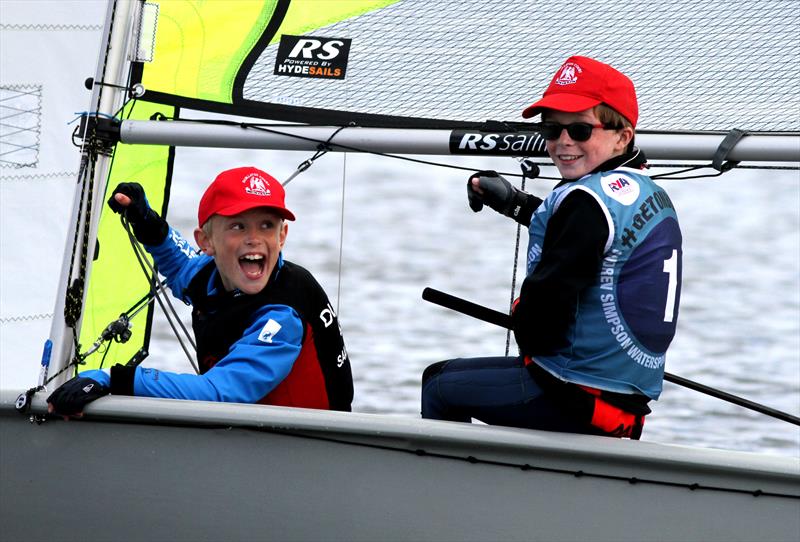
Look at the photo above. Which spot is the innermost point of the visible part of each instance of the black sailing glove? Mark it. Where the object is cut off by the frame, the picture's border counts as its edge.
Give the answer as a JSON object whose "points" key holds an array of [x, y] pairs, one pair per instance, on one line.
{"points": [[71, 397], [501, 196], [148, 227]]}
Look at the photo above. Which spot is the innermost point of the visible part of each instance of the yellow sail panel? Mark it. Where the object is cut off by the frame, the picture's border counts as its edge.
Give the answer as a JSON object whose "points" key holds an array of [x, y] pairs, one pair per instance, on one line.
{"points": [[117, 282], [200, 45]]}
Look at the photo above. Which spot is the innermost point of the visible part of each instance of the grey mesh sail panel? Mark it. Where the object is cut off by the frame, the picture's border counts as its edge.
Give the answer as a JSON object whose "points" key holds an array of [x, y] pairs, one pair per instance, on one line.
{"points": [[701, 65]]}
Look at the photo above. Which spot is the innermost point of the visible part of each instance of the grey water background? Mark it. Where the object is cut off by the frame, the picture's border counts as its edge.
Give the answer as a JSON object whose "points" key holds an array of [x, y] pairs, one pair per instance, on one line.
{"points": [[376, 231]]}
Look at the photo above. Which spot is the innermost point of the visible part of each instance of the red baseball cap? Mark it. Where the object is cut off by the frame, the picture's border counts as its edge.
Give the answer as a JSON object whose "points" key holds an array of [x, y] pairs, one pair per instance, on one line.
{"points": [[240, 189], [581, 83]]}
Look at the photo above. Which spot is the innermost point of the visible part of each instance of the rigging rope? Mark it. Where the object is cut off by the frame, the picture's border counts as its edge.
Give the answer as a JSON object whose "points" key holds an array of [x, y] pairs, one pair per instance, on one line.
{"points": [[91, 148], [514, 269], [157, 292], [529, 171], [322, 149]]}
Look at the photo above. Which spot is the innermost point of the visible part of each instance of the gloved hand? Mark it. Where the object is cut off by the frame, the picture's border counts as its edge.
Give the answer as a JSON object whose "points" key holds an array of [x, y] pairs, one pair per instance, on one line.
{"points": [[501, 196], [148, 227], [71, 397]]}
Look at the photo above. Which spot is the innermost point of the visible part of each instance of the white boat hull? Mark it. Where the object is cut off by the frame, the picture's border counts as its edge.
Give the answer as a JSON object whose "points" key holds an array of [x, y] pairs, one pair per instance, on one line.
{"points": [[154, 469]]}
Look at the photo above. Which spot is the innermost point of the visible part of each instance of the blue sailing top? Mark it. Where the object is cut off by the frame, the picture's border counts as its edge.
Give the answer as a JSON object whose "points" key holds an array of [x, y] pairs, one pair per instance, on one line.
{"points": [[626, 319]]}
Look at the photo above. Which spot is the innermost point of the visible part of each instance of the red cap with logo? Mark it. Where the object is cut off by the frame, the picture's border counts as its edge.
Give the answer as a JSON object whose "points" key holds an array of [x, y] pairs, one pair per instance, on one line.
{"points": [[240, 189], [582, 83]]}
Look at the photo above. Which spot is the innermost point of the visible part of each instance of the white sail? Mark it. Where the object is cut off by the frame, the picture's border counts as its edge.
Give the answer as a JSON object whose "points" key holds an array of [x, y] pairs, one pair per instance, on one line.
{"points": [[47, 50]]}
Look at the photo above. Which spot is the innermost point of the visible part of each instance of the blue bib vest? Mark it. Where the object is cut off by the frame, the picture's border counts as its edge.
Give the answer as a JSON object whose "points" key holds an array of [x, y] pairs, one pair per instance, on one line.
{"points": [[626, 320]]}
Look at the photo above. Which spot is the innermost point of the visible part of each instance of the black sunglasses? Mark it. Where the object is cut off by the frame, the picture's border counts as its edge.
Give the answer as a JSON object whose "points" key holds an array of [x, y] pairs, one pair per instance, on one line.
{"points": [[578, 131]]}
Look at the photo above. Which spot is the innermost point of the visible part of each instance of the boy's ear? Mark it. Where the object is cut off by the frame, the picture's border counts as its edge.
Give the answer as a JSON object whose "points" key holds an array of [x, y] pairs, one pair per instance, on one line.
{"points": [[282, 235], [625, 137], [203, 241]]}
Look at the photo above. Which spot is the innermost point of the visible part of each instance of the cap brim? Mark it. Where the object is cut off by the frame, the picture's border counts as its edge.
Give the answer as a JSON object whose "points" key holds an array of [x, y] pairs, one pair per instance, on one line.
{"points": [[569, 103], [236, 209]]}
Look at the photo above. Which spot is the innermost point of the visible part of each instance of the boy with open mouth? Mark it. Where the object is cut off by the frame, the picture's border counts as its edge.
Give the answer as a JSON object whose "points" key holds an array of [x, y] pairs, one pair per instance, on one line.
{"points": [[265, 330]]}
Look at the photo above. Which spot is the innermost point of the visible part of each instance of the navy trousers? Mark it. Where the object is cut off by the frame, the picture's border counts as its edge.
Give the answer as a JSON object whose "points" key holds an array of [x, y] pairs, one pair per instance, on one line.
{"points": [[496, 391]]}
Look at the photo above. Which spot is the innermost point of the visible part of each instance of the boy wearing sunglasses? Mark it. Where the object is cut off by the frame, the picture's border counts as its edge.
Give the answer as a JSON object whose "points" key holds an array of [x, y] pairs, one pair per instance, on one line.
{"points": [[599, 305]]}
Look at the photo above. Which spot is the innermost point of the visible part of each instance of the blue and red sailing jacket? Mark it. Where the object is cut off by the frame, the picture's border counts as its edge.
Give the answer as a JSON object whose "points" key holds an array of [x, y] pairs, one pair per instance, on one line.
{"points": [[282, 346]]}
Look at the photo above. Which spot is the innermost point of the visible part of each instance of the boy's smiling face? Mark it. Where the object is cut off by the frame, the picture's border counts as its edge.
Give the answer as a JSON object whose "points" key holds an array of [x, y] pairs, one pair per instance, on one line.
{"points": [[245, 247]]}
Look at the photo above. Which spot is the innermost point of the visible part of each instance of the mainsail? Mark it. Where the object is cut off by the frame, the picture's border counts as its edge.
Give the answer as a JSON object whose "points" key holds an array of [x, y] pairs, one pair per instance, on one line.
{"points": [[713, 67], [402, 76], [472, 65]]}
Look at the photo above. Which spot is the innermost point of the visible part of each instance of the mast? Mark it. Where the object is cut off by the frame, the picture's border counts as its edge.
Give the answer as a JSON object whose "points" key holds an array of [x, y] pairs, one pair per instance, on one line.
{"points": [[105, 100]]}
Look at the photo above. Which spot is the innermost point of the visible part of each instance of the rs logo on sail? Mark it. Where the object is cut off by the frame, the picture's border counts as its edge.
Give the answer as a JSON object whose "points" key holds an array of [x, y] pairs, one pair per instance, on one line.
{"points": [[312, 56], [307, 48]]}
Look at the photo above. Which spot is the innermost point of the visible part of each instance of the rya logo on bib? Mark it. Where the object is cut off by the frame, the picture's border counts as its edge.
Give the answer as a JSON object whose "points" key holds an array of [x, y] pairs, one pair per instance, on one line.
{"points": [[620, 187], [268, 332]]}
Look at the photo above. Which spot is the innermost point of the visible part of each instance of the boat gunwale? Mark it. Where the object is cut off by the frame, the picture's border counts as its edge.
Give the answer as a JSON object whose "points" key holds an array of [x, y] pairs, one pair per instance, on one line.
{"points": [[521, 448]]}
